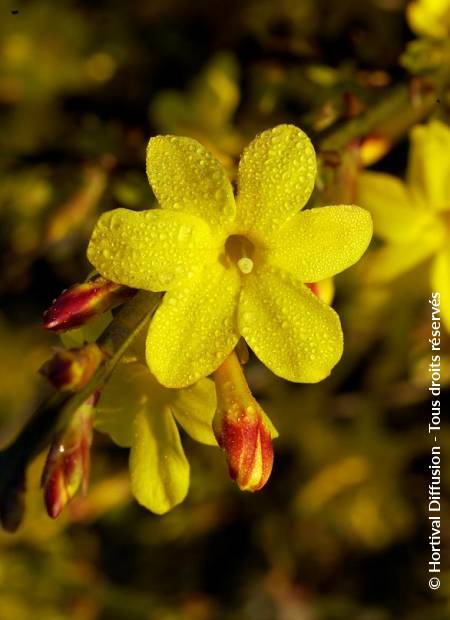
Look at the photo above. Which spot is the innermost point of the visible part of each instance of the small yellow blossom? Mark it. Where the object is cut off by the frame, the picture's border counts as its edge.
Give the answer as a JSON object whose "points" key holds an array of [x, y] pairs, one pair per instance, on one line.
{"points": [[234, 266], [139, 413], [414, 217], [430, 18]]}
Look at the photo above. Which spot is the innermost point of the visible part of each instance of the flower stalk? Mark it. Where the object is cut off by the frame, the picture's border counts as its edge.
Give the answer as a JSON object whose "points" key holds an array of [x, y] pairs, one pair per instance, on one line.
{"points": [[388, 119]]}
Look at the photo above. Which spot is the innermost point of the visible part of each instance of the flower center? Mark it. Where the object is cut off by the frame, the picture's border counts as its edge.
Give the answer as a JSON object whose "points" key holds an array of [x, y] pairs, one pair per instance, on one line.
{"points": [[240, 251]]}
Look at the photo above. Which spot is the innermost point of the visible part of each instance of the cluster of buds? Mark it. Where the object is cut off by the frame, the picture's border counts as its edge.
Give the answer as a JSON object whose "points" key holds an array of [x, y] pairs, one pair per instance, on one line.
{"points": [[68, 461], [241, 427], [69, 370]]}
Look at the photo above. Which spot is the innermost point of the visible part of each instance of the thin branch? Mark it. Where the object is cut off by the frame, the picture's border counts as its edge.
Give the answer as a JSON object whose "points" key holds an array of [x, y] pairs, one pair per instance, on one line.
{"points": [[396, 112]]}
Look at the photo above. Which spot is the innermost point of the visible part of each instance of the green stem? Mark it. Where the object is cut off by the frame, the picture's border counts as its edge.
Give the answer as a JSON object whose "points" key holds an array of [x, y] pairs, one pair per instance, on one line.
{"points": [[391, 118]]}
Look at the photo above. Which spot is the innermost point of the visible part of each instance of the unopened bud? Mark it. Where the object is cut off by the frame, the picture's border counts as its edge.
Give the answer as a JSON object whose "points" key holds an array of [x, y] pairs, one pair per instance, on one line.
{"points": [[242, 428], [68, 461], [70, 369], [373, 148], [82, 302]]}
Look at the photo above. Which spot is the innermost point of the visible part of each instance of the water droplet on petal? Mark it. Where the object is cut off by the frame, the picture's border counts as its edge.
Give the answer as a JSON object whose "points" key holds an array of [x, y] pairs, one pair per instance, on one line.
{"points": [[184, 233]]}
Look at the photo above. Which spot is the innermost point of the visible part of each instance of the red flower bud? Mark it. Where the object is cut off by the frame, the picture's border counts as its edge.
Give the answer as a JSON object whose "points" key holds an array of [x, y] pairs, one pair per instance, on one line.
{"points": [[71, 369], [242, 428], [68, 461], [82, 302]]}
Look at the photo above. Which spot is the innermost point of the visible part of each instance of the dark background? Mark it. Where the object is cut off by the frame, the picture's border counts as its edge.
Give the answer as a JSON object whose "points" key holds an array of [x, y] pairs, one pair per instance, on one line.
{"points": [[340, 530]]}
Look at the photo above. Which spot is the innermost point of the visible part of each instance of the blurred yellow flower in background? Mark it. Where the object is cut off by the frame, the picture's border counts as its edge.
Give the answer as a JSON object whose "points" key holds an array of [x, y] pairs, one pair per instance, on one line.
{"points": [[430, 18], [414, 217], [138, 413], [205, 112], [234, 267]]}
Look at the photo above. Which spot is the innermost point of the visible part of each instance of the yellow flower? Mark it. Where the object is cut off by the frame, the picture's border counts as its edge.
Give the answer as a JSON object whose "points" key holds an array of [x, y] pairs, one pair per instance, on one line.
{"points": [[430, 18], [231, 266], [139, 413], [414, 217]]}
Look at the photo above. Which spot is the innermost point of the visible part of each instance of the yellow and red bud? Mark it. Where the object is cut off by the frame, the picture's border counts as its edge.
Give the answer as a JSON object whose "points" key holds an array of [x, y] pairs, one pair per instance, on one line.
{"points": [[242, 429], [68, 461], [69, 370], [82, 302], [373, 147]]}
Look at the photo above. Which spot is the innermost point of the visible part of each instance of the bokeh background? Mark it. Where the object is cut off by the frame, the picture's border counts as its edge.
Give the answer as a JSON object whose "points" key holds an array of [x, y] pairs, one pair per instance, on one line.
{"points": [[340, 532]]}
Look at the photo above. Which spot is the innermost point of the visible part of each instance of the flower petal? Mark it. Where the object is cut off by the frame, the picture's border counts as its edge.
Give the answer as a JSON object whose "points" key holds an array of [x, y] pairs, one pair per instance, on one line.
{"points": [[318, 243], [88, 332], [429, 163], [129, 390], [184, 176], [194, 408], [158, 465], [391, 261], [440, 282], [194, 328], [293, 332], [276, 177], [396, 216], [429, 18], [151, 250]]}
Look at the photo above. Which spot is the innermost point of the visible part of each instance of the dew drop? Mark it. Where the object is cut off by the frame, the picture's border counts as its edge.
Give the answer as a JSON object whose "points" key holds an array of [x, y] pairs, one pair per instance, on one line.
{"points": [[116, 222], [184, 233]]}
